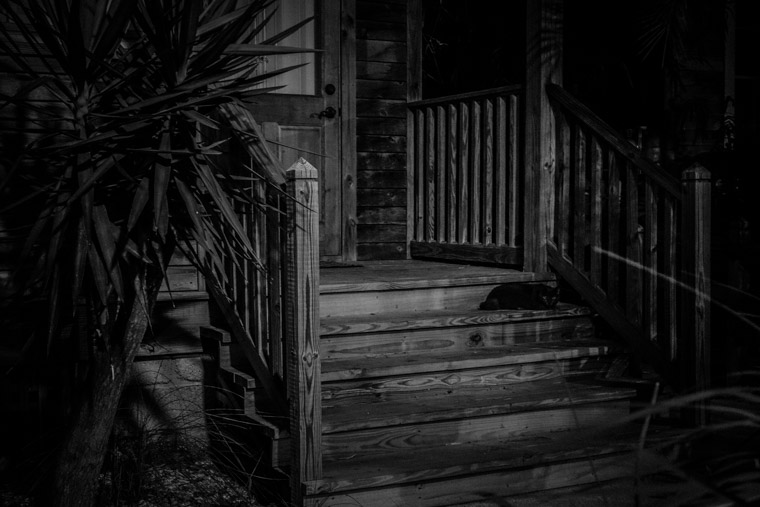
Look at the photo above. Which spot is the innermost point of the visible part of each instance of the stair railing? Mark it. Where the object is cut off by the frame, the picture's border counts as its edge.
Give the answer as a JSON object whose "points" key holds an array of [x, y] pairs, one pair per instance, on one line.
{"points": [[632, 240], [464, 181], [270, 303]]}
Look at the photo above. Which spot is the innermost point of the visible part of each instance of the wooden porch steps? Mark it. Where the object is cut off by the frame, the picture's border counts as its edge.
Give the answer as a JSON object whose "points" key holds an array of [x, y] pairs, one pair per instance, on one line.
{"points": [[428, 400]]}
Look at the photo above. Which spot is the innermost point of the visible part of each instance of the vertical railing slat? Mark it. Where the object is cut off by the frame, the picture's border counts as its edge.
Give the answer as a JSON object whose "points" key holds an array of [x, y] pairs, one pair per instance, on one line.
{"points": [[440, 163], [579, 200], [650, 260], [562, 185], [430, 179], [475, 174], [419, 169], [515, 193], [595, 236], [614, 194], [274, 283], [453, 182], [668, 270], [633, 287], [487, 183], [464, 177], [500, 172]]}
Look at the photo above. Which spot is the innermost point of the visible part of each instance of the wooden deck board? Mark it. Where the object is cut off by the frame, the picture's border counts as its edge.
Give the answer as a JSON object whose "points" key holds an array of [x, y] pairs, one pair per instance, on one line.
{"points": [[415, 274], [404, 321], [374, 410], [446, 462], [477, 358]]}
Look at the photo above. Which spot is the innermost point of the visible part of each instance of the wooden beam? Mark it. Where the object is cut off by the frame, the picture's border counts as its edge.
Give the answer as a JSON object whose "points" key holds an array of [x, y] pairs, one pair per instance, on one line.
{"points": [[694, 339], [489, 254], [348, 126], [544, 65], [302, 324]]}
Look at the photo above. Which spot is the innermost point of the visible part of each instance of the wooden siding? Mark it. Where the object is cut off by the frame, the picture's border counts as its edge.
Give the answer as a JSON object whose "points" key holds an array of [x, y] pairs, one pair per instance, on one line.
{"points": [[381, 129]]}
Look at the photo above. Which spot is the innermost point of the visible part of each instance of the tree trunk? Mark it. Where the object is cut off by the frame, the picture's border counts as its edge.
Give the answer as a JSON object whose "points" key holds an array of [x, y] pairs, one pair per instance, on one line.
{"points": [[74, 478]]}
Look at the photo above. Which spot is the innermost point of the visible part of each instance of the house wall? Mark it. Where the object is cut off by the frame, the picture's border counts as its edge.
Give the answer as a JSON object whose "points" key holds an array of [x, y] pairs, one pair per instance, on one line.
{"points": [[381, 92]]}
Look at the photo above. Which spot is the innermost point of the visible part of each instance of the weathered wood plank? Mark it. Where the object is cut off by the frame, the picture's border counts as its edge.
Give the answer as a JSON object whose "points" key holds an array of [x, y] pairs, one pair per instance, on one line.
{"points": [[476, 138], [651, 265], [381, 126], [371, 89], [595, 225], [381, 179], [380, 71], [580, 227], [378, 30], [463, 230], [389, 12], [487, 183], [416, 174], [440, 170], [668, 269], [380, 51], [383, 161], [491, 254], [694, 347], [633, 278], [381, 108], [385, 144], [500, 174], [563, 177], [452, 204], [381, 233], [516, 197], [396, 215], [430, 174], [614, 195], [336, 370], [390, 440], [381, 409]]}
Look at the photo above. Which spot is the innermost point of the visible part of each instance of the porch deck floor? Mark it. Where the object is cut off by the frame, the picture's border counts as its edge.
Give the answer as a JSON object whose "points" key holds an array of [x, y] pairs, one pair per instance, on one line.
{"points": [[411, 274]]}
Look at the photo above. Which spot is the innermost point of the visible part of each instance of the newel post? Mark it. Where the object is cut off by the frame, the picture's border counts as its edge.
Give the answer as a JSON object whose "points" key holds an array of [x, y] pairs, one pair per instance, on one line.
{"points": [[302, 322], [694, 347], [544, 20]]}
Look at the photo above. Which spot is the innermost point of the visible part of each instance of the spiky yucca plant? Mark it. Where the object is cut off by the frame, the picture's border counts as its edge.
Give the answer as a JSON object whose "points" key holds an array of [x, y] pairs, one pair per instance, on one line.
{"points": [[115, 176]]}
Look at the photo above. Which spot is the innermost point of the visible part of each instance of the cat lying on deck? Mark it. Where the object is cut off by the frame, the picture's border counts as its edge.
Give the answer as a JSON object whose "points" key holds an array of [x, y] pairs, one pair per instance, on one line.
{"points": [[521, 296]]}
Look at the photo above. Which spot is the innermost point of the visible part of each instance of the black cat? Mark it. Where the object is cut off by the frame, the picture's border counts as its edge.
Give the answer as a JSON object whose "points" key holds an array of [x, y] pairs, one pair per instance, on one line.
{"points": [[521, 296]]}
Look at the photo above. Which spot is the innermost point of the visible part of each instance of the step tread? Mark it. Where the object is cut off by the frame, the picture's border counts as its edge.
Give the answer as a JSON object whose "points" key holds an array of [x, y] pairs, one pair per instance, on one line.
{"points": [[441, 462], [401, 364], [401, 321], [413, 274], [371, 410]]}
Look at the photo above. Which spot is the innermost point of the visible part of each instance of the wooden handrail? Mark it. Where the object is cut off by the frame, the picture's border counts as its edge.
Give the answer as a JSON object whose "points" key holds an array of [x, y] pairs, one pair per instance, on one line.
{"points": [[582, 113], [448, 99], [617, 221]]}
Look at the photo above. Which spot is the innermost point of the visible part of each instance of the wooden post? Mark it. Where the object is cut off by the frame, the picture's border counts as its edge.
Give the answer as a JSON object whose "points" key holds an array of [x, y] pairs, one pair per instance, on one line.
{"points": [[302, 323], [694, 346], [543, 66]]}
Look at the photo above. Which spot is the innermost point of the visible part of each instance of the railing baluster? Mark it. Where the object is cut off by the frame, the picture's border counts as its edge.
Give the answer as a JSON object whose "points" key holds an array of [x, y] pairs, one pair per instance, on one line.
{"points": [[562, 185], [274, 283], [614, 186], [650, 260], [430, 179], [595, 238], [515, 219], [464, 177], [668, 270], [453, 180], [633, 247], [475, 174], [487, 184], [440, 162], [579, 201], [419, 168], [500, 173]]}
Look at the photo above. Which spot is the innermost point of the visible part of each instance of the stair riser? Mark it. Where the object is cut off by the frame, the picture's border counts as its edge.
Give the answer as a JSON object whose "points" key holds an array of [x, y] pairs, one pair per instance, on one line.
{"points": [[473, 488], [381, 441], [451, 339], [413, 300], [478, 378]]}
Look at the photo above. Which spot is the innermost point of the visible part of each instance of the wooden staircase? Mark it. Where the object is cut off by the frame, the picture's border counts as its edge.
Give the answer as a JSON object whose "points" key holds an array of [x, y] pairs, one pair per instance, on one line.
{"points": [[427, 400]]}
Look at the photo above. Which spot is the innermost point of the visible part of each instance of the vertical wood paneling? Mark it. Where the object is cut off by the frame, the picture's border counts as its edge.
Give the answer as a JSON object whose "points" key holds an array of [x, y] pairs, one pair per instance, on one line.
{"points": [[500, 172], [440, 163], [633, 285], [487, 183], [464, 176], [579, 200], [475, 174], [515, 191], [452, 204], [595, 238], [650, 260]]}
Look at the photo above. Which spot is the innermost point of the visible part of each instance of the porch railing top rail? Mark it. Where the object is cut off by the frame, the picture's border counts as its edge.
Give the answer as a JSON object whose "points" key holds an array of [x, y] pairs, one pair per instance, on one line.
{"points": [[448, 99], [611, 137]]}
